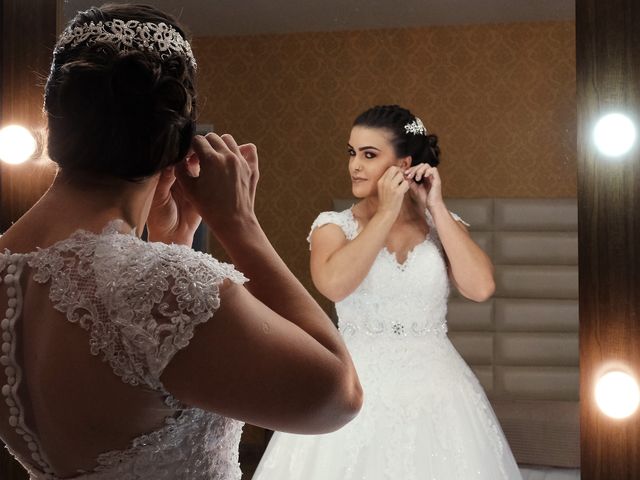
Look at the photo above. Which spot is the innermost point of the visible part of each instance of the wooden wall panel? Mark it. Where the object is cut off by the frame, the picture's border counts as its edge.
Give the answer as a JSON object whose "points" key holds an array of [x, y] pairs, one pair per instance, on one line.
{"points": [[608, 78], [28, 35]]}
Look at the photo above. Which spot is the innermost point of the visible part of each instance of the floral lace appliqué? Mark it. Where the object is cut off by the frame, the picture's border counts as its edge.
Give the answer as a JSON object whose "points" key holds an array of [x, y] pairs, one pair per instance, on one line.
{"points": [[341, 219], [140, 303]]}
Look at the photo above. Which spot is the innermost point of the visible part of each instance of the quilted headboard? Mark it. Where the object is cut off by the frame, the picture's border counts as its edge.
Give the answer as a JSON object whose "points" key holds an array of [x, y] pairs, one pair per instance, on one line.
{"points": [[523, 343]]}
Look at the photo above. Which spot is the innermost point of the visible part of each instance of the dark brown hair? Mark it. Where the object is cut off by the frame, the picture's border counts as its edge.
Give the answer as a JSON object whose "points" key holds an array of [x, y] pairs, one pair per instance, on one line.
{"points": [[124, 113], [421, 148]]}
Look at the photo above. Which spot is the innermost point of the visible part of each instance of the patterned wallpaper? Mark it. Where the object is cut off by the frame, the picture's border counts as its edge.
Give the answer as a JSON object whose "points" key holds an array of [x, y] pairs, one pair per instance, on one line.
{"points": [[501, 98]]}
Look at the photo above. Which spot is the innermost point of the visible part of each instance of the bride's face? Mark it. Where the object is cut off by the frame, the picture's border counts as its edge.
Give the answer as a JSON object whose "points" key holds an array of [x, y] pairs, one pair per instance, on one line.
{"points": [[370, 155]]}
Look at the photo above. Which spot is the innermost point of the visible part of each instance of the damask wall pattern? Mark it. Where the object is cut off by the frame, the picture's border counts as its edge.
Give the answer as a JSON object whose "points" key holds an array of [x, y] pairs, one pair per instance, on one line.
{"points": [[501, 98]]}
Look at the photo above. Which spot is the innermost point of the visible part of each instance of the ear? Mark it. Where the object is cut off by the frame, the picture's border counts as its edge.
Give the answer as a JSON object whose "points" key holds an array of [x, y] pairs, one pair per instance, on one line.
{"points": [[405, 163]]}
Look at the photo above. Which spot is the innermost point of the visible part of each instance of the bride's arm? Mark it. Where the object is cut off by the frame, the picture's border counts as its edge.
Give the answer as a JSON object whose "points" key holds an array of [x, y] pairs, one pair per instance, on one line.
{"points": [[338, 266], [470, 268], [269, 355]]}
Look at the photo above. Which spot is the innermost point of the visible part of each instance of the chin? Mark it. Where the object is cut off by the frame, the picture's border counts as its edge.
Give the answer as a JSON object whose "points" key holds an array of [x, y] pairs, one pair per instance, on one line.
{"points": [[360, 192]]}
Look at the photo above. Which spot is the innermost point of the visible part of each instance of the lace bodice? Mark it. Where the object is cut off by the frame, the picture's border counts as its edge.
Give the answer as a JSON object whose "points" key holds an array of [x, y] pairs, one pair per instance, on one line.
{"points": [[408, 299], [140, 303]]}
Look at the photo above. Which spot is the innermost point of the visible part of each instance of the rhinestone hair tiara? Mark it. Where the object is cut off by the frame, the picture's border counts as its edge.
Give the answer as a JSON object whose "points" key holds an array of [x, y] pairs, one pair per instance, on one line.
{"points": [[416, 127], [129, 35]]}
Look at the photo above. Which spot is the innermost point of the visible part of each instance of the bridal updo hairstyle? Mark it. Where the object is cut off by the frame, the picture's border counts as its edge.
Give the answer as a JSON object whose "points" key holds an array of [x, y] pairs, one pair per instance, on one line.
{"points": [[125, 114], [393, 118]]}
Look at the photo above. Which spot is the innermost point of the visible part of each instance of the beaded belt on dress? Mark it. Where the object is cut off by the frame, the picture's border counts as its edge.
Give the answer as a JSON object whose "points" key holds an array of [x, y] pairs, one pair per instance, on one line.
{"points": [[392, 329]]}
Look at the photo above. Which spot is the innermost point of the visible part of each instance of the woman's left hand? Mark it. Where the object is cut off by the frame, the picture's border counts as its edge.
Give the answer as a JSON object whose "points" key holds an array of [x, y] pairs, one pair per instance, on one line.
{"points": [[428, 193], [172, 217]]}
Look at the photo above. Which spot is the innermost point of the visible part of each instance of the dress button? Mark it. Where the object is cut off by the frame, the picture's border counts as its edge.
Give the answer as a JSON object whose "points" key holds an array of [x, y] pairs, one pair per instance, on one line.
{"points": [[4, 360], [32, 446], [5, 323], [11, 269], [10, 371], [6, 347], [12, 302], [13, 421], [6, 390], [9, 313], [6, 336], [8, 278]]}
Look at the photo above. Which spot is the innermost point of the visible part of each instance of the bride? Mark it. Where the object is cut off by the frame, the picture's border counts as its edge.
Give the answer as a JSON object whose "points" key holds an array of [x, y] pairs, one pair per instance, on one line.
{"points": [[387, 263], [131, 360]]}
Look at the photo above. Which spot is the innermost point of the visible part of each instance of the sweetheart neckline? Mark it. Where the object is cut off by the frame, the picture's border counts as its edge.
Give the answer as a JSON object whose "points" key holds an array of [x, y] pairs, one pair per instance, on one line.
{"points": [[394, 254], [410, 253]]}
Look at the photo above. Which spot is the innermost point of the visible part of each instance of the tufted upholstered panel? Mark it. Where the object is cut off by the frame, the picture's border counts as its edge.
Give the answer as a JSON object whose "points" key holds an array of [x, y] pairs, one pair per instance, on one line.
{"points": [[523, 343]]}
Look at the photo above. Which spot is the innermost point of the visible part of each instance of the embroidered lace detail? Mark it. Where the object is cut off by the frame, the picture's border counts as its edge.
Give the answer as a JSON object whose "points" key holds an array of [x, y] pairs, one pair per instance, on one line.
{"points": [[382, 305], [196, 445], [342, 219], [140, 303]]}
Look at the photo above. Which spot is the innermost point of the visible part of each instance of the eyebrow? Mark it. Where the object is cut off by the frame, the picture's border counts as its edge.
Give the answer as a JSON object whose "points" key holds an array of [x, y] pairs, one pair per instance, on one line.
{"points": [[364, 148]]}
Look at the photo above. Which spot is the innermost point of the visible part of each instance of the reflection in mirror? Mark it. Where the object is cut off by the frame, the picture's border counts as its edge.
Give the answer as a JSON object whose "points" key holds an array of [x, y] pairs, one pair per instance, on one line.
{"points": [[496, 82]]}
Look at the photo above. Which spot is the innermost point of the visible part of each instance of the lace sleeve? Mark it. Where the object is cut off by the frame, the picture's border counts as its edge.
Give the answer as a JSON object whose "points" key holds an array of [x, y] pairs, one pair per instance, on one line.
{"points": [[344, 220], [192, 297], [457, 218], [139, 301]]}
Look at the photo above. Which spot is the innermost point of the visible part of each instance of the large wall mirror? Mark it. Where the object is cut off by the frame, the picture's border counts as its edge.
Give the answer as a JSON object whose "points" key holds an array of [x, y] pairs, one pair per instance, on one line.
{"points": [[496, 81]]}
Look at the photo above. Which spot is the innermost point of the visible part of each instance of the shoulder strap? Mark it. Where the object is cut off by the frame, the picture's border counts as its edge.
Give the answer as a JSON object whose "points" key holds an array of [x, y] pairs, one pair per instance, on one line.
{"points": [[344, 220]]}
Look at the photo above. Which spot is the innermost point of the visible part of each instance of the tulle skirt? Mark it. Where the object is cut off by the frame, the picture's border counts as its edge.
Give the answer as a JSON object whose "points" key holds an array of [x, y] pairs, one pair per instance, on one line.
{"points": [[425, 417]]}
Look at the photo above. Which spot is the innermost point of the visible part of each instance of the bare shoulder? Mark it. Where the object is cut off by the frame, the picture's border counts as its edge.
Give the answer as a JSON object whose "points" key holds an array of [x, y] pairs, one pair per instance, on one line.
{"points": [[249, 363]]}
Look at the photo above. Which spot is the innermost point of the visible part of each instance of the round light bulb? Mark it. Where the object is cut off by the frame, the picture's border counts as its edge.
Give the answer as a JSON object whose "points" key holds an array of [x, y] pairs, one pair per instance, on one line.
{"points": [[16, 144], [614, 134], [617, 394]]}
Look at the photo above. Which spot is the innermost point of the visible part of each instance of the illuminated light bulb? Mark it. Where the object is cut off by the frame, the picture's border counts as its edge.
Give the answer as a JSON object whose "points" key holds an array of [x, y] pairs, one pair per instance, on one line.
{"points": [[16, 144], [614, 134], [617, 394]]}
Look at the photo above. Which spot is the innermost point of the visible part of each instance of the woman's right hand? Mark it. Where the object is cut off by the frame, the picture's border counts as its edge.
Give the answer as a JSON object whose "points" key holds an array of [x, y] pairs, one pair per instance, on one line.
{"points": [[392, 187], [224, 191]]}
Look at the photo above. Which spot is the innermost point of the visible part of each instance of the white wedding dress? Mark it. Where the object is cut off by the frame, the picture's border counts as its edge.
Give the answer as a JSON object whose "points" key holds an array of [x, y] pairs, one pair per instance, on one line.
{"points": [[425, 415], [139, 303]]}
